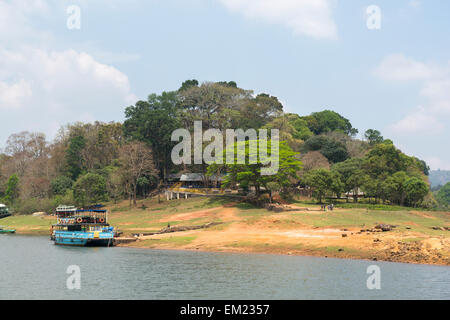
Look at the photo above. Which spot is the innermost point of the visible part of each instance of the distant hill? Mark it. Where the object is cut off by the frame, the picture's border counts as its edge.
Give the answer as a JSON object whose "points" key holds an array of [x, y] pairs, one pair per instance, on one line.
{"points": [[439, 177]]}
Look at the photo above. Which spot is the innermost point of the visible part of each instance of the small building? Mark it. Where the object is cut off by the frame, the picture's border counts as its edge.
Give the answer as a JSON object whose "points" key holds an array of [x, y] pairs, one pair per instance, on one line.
{"points": [[198, 181]]}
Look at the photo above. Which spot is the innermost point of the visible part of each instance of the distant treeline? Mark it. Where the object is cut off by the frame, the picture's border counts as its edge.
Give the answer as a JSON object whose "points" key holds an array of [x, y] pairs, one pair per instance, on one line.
{"points": [[439, 178]]}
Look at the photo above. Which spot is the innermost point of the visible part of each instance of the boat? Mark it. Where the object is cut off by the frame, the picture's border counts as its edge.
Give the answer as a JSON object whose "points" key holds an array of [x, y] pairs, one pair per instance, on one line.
{"points": [[4, 211], [82, 227], [6, 230]]}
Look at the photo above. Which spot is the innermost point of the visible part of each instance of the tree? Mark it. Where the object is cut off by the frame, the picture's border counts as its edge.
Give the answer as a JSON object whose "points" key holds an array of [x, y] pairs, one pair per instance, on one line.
{"points": [[443, 195], [250, 175], [373, 136], [257, 112], [188, 84], [416, 190], [60, 185], [12, 189], [90, 189], [153, 122], [335, 151], [384, 160], [24, 147], [352, 175], [327, 120], [74, 158], [394, 187], [286, 130], [301, 127], [314, 160], [217, 105], [375, 188], [337, 186], [136, 162], [320, 181]]}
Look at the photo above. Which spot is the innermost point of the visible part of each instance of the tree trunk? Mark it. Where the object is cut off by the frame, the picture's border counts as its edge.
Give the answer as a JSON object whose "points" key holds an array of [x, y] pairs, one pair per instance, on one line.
{"points": [[134, 194]]}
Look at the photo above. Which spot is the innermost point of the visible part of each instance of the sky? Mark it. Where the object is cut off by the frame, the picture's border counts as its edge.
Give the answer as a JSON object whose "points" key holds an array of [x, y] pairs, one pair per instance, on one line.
{"points": [[387, 69]]}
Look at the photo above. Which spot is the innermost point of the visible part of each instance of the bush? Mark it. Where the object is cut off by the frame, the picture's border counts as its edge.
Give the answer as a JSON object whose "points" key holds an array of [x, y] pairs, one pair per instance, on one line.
{"points": [[60, 185], [66, 199], [32, 205], [90, 189]]}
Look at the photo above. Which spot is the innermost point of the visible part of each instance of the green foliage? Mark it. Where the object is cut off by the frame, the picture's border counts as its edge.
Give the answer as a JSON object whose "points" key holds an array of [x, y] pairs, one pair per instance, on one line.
{"points": [[334, 151], [74, 159], [320, 180], [258, 112], [443, 195], [12, 189], [416, 190], [373, 136], [66, 199], [250, 175], [90, 189], [385, 159], [301, 128], [60, 185], [188, 84], [327, 121], [352, 175], [153, 122]]}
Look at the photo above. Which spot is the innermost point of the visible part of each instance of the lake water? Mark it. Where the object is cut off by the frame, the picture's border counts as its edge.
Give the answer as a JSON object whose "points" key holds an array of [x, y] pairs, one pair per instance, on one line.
{"points": [[34, 268]]}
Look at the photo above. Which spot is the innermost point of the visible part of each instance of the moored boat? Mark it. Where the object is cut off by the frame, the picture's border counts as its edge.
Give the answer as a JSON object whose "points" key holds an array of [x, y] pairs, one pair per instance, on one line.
{"points": [[82, 227], [4, 211], [7, 230]]}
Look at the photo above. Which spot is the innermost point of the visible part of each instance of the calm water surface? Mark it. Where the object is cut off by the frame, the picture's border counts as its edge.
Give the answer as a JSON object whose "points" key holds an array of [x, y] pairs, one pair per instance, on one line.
{"points": [[34, 268]]}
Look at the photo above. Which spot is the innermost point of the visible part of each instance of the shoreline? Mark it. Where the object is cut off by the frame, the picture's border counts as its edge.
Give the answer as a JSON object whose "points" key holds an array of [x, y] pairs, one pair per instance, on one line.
{"points": [[292, 253], [297, 253], [416, 237], [284, 254]]}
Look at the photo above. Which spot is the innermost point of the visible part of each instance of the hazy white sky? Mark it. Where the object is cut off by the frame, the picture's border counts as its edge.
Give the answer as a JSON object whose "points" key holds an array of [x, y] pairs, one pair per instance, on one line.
{"points": [[312, 54]]}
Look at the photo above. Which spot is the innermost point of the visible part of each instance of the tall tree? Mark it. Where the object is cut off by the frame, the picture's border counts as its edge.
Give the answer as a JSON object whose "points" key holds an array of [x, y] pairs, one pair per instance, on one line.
{"points": [[90, 189], [327, 120], [373, 136], [12, 189], [320, 181], [153, 122], [250, 174], [136, 162], [74, 158]]}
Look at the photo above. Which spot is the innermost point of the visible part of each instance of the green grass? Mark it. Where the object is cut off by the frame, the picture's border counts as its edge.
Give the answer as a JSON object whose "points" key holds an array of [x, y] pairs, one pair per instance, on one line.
{"points": [[412, 240], [29, 224]]}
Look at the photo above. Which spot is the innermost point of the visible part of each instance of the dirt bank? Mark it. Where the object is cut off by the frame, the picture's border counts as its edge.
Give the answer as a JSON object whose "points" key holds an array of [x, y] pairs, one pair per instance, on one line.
{"points": [[288, 233]]}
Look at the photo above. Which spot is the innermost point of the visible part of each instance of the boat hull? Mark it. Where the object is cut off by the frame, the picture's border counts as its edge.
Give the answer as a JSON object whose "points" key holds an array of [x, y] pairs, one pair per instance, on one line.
{"points": [[83, 239], [8, 231]]}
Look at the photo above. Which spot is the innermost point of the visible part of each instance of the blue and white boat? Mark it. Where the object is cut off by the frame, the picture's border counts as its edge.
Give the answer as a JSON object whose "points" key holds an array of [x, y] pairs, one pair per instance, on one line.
{"points": [[82, 227]]}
